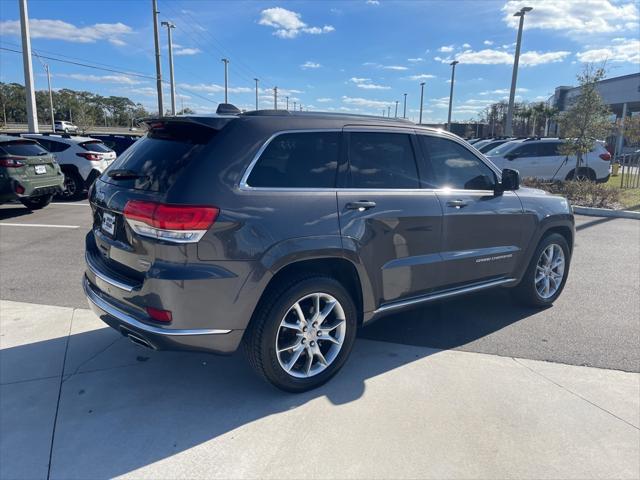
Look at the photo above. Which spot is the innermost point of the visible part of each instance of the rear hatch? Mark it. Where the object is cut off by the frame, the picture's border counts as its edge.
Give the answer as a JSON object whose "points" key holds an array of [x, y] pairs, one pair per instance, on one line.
{"points": [[97, 150], [133, 190], [27, 159]]}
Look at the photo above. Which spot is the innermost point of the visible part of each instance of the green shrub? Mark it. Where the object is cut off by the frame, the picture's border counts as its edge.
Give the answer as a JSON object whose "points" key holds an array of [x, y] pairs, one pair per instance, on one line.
{"points": [[582, 193]]}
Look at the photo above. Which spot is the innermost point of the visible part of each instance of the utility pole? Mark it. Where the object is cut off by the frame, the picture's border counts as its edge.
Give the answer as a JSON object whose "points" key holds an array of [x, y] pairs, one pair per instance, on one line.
{"points": [[226, 79], [389, 111], [170, 26], [46, 69], [421, 101], [287, 97], [383, 112], [294, 106], [156, 38], [514, 75], [453, 78], [275, 98], [256, 80], [32, 112], [396, 115], [404, 110]]}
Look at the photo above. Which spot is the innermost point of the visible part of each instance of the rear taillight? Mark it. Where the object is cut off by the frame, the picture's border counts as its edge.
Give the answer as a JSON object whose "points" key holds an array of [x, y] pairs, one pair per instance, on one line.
{"points": [[93, 157], [159, 315], [19, 189], [11, 162], [173, 223], [605, 156]]}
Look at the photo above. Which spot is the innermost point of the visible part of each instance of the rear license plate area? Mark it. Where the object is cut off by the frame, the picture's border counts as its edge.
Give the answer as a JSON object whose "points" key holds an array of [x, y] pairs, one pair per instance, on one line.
{"points": [[40, 169], [108, 223]]}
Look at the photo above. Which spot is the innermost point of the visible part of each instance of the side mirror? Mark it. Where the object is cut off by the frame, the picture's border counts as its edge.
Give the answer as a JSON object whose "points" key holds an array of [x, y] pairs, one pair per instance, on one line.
{"points": [[510, 181], [511, 156]]}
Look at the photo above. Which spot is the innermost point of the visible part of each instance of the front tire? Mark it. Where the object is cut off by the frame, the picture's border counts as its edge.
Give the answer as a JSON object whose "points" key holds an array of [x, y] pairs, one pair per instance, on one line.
{"points": [[73, 186], [303, 334], [36, 203], [547, 273]]}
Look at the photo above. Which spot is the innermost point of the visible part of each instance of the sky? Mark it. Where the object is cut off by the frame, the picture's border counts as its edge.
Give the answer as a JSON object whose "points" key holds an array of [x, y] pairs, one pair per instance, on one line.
{"points": [[351, 56]]}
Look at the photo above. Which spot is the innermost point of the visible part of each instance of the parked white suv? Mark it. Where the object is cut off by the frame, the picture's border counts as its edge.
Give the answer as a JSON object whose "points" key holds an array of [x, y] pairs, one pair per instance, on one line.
{"points": [[65, 127], [81, 159], [541, 158]]}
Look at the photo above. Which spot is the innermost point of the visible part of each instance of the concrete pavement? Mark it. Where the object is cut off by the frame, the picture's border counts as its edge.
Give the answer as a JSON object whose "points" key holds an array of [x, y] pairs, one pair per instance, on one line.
{"points": [[100, 407]]}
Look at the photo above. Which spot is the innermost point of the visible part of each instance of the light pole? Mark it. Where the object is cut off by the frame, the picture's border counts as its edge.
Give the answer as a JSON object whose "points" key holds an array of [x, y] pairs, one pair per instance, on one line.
{"points": [[514, 76], [275, 98], [32, 112], [396, 114], [226, 78], [170, 26], [256, 80], [287, 97], [294, 106], [453, 79], [404, 109], [383, 112], [46, 69], [389, 111], [421, 101], [156, 40]]}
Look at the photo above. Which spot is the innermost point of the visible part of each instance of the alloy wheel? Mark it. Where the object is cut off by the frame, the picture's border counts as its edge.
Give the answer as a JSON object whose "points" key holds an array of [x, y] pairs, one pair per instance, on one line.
{"points": [[549, 271], [311, 335]]}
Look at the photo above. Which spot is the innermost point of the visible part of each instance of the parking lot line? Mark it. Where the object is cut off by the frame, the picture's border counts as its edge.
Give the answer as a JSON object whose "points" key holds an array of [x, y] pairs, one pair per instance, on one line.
{"points": [[71, 204], [4, 224]]}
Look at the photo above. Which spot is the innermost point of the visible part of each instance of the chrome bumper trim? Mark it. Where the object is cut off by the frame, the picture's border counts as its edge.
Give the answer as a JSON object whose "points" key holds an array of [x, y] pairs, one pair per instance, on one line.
{"points": [[127, 319], [111, 281]]}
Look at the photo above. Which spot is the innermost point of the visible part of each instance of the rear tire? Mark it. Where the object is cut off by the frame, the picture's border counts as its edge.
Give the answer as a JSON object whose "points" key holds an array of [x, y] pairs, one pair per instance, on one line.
{"points": [[315, 346], [36, 203], [584, 174], [544, 280], [73, 186]]}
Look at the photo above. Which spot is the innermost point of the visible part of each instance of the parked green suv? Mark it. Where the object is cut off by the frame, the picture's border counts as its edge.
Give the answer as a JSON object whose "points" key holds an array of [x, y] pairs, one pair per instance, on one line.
{"points": [[28, 173]]}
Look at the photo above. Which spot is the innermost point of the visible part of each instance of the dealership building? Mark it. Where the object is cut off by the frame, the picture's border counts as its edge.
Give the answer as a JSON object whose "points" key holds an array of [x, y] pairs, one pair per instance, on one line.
{"points": [[620, 94]]}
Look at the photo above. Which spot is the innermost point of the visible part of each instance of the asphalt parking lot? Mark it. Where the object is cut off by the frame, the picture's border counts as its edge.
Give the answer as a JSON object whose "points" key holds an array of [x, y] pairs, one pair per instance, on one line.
{"points": [[596, 321], [453, 390]]}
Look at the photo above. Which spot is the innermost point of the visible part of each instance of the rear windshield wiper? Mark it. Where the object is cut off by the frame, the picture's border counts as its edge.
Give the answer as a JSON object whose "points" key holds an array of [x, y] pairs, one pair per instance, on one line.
{"points": [[123, 174]]}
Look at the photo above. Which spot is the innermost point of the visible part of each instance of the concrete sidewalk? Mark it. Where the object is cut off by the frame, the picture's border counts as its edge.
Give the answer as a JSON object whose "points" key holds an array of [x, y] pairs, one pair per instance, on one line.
{"points": [[77, 393]]}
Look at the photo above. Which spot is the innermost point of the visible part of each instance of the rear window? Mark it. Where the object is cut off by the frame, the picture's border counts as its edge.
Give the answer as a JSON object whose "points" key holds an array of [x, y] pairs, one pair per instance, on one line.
{"points": [[298, 160], [23, 148], [95, 146], [157, 159]]}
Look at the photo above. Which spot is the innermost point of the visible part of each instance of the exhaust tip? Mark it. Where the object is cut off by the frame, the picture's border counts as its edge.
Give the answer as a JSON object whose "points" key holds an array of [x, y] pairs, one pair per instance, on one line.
{"points": [[137, 339]]}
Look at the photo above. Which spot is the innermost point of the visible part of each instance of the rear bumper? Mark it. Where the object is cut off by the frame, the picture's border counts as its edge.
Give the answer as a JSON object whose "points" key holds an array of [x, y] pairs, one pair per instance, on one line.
{"points": [[603, 179], [156, 337]]}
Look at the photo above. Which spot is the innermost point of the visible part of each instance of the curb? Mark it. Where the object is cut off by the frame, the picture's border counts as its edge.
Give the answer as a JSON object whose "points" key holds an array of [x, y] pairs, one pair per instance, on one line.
{"points": [[605, 212]]}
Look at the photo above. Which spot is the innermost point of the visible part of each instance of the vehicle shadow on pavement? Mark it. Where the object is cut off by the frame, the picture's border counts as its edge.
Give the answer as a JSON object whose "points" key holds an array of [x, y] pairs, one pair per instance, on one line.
{"points": [[123, 407], [14, 211]]}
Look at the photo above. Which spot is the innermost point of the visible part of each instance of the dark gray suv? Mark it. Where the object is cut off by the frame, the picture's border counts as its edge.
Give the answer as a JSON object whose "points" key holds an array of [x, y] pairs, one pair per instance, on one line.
{"points": [[287, 231]]}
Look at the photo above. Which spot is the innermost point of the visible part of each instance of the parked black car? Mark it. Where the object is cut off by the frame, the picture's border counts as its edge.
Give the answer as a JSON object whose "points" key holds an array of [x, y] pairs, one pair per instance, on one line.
{"points": [[287, 231]]}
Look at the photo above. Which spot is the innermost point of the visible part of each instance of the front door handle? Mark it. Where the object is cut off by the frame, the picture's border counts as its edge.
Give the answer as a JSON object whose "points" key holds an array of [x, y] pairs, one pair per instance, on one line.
{"points": [[361, 205], [458, 203]]}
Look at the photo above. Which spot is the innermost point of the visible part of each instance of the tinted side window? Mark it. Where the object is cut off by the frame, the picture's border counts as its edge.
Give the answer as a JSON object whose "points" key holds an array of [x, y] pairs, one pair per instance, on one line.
{"points": [[298, 160], [453, 166], [382, 160], [549, 149], [528, 150]]}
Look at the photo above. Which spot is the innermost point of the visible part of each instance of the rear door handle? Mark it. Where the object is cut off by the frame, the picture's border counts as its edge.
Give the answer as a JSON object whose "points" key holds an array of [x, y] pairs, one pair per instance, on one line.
{"points": [[361, 205], [458, 203]]}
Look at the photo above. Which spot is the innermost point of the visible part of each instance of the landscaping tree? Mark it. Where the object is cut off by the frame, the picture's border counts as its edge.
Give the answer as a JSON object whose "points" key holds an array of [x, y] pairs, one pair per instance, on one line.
{"points": [[586, 120]]}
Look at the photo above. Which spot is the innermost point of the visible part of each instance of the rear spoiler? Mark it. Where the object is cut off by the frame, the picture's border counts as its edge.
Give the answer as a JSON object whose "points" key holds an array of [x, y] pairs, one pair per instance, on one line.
{"points": [[214, 121]]}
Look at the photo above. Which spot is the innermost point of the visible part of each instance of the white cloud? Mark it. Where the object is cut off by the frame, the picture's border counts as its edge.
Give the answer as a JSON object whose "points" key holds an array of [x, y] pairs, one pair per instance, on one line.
{"points": [[394, 67], [488, 42], [59, 30], [624, 50], [186, 51], [324, 100], [500, 57], [212, 88], [421, 76], [309, 64], [372, 2], [502, 91], [289, 24], [123, 79], [446, 48], [415, 60], [365, 83], [364, 102], [575, 16], [466, 45]]}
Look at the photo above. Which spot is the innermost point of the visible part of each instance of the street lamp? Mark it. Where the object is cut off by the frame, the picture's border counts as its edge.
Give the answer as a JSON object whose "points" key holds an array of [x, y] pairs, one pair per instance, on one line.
{"points": [[453, 78], [404, 110], [171, 26], [226, 78], [514, 76], [421, 101], [256, 80]]}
